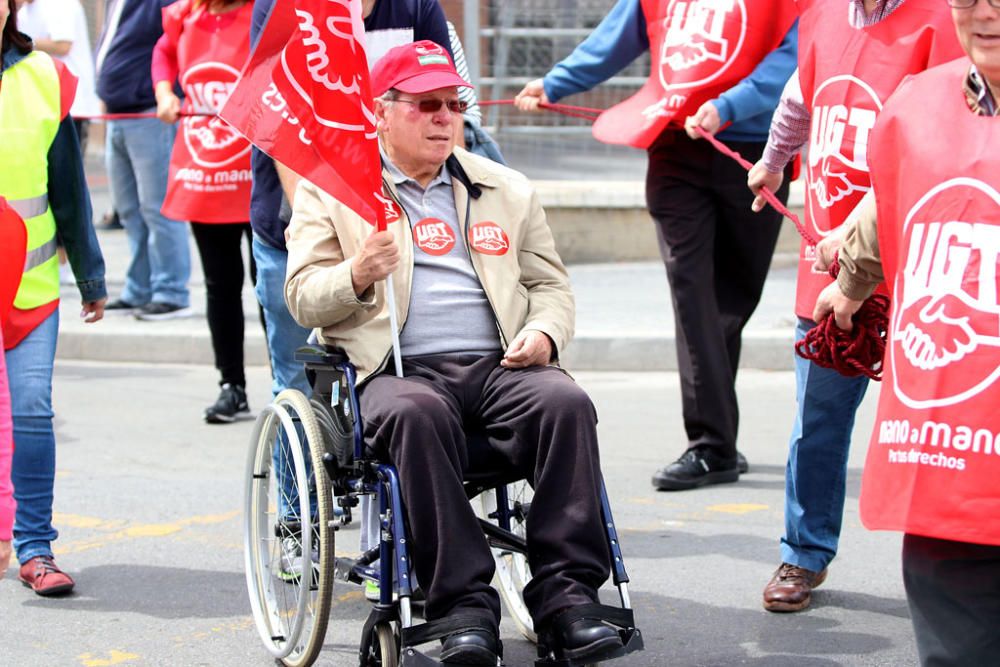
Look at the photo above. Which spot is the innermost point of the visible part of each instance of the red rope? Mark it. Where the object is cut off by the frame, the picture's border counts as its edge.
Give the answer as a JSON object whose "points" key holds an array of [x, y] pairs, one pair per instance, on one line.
{"points": [[850, 353], [132, 116], [585, 113]]}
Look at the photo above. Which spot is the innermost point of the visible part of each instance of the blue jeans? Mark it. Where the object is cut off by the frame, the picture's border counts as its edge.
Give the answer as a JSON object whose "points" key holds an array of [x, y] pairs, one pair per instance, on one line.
{"points": [[29, 369], [816, 475], [284, 336], [138, 159]]}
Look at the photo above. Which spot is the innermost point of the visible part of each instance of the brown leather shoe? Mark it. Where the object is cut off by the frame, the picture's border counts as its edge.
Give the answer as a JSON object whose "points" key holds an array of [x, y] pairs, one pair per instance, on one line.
{"points": [[790, 589], [43, 576]]}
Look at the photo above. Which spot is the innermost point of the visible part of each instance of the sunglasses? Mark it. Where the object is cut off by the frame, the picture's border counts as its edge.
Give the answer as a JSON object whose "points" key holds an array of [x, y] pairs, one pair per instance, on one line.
{"points": [[966, 4], [433, 105]]}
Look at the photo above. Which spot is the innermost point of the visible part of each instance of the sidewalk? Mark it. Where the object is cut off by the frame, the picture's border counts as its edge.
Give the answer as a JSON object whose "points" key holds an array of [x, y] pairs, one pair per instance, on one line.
{"points": [[624, 318]]}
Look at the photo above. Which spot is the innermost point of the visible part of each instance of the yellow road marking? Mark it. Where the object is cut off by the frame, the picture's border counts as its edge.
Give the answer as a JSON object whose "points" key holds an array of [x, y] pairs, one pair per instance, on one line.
{"points": [[737, 508], [114, 658], [241, 625], [351, 595], [79, 521], [129, 532]]}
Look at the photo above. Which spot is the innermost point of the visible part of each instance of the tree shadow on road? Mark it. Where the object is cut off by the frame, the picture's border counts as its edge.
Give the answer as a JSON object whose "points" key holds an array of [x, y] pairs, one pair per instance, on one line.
{"points": [[160, 592], [672, 543], [681, 632]]}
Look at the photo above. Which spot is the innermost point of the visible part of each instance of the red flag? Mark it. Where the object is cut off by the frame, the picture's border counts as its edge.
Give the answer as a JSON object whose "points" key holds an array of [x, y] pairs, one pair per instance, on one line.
{"points": [[13, 241], [304, 98]]}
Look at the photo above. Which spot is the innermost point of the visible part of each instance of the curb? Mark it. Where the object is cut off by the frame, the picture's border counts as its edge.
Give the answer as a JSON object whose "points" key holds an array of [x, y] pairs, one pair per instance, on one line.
{"points": [[771, 351]]}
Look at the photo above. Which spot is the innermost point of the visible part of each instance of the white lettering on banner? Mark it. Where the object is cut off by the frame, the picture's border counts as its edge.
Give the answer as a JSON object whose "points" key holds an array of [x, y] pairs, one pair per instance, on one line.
{"points": [[917, 457], [705, 36], [190, 175], [273, 100], [665, 107], [211, 141], [318, 60], [209, 96], [942, 435], [939, 256], [233, 176], [947, 313], [323, 69], [829, 128], [391, 214], [844, 112], [695, 33]]}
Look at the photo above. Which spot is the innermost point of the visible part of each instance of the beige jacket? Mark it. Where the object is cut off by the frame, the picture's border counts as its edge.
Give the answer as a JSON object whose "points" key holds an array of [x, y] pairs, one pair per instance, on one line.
{"points": [[527, 287]]}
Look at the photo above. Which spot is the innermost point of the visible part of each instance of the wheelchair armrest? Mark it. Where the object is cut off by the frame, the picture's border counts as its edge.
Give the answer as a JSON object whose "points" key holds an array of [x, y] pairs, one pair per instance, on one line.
{"points": [[327, 355]]}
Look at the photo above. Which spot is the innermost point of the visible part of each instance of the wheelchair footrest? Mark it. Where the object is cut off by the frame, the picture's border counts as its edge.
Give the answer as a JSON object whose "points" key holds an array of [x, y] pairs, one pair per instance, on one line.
{"points": [[631, 640], [620, 619], [411, 657], [436, 630]]}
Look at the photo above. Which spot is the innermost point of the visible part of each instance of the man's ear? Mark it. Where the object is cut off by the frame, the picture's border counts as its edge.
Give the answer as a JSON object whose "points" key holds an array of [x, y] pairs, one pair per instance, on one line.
{"points": [[381, 110]]}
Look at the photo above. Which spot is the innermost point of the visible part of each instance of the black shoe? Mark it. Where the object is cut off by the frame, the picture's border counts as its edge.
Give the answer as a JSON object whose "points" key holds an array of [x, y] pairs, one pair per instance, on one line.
{"points": [[741, 463], [232, 401], [157, 310], [582, 639], [120, 307], [110, 221], [696, 467], [472, 647]]}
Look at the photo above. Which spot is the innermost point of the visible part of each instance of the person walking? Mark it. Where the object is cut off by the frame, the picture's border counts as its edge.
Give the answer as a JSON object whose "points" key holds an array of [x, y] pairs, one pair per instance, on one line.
{"points": [[203, 47], [849, 63], [932, 463], [13, 240], [49, 191], [716, 254], [138, 158]]}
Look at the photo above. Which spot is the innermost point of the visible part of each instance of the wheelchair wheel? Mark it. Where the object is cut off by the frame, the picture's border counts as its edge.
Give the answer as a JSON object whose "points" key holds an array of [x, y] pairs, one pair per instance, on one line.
{"points": [[288, 539], [512, 571], [384, 649]]}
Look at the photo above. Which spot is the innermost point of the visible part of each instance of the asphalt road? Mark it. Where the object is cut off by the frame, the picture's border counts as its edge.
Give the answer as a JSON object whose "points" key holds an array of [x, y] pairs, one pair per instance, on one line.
{"points": [[148, 503]]}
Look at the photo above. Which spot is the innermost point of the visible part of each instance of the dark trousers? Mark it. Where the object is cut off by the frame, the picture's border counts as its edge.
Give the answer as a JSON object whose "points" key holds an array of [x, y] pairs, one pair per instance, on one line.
{"points": [[83, 134], [221, 249], [717, 253], [954, 593], [536, 420]]}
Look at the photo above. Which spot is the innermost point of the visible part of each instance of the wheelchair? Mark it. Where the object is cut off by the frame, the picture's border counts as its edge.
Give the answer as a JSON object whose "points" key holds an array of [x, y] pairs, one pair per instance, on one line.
{"points": [[314, 445]]}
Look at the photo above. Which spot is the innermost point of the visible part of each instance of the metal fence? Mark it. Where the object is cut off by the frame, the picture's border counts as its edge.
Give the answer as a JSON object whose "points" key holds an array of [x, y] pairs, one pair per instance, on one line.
{"points": [[520, 40], [517, 41]]}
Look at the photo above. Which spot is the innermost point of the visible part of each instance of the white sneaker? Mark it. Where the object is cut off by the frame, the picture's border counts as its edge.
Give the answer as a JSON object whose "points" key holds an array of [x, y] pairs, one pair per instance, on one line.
{"points": [[292, 563]]}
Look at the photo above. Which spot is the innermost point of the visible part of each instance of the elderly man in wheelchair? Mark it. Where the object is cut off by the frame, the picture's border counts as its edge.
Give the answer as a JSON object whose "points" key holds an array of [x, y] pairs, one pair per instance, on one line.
{"points": [[485, 306]]}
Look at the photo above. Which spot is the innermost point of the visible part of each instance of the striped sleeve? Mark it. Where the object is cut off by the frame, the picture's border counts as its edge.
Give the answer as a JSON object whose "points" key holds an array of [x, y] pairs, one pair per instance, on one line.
{"points": [[467, 95]]}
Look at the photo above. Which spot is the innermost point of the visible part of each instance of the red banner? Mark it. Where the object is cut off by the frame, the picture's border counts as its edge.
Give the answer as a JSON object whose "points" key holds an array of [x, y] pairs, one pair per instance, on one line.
{"points": [[13, 241], [304, 98]]}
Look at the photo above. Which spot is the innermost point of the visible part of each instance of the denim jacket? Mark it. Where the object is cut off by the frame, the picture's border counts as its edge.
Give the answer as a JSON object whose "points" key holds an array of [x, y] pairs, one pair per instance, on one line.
{"points": [[70, 202]]}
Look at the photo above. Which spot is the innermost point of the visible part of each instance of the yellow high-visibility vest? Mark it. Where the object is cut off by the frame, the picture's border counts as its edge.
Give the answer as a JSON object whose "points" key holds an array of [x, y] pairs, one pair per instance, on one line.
{"points": [[30, 114]]}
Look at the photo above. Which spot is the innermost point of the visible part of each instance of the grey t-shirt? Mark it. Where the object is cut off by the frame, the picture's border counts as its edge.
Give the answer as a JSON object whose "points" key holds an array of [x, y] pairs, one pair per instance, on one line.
{"points": [[449, 312]]}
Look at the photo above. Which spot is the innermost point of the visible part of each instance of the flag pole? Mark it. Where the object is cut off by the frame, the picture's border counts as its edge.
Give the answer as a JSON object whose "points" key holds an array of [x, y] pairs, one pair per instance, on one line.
{"points": [[390, 297]]}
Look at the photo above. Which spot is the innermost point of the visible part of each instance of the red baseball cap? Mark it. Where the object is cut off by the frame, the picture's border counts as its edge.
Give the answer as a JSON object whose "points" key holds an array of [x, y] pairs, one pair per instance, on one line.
{"points": [[417, 67]]}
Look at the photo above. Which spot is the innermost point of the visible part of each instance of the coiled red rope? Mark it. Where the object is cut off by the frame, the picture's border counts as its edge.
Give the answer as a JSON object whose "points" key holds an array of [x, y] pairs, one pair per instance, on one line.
{"points": [[851, 353]]}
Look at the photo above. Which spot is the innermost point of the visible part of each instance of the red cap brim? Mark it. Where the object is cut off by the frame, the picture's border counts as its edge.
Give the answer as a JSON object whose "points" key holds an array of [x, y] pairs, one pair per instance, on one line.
{"points": [[428, 81]]}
